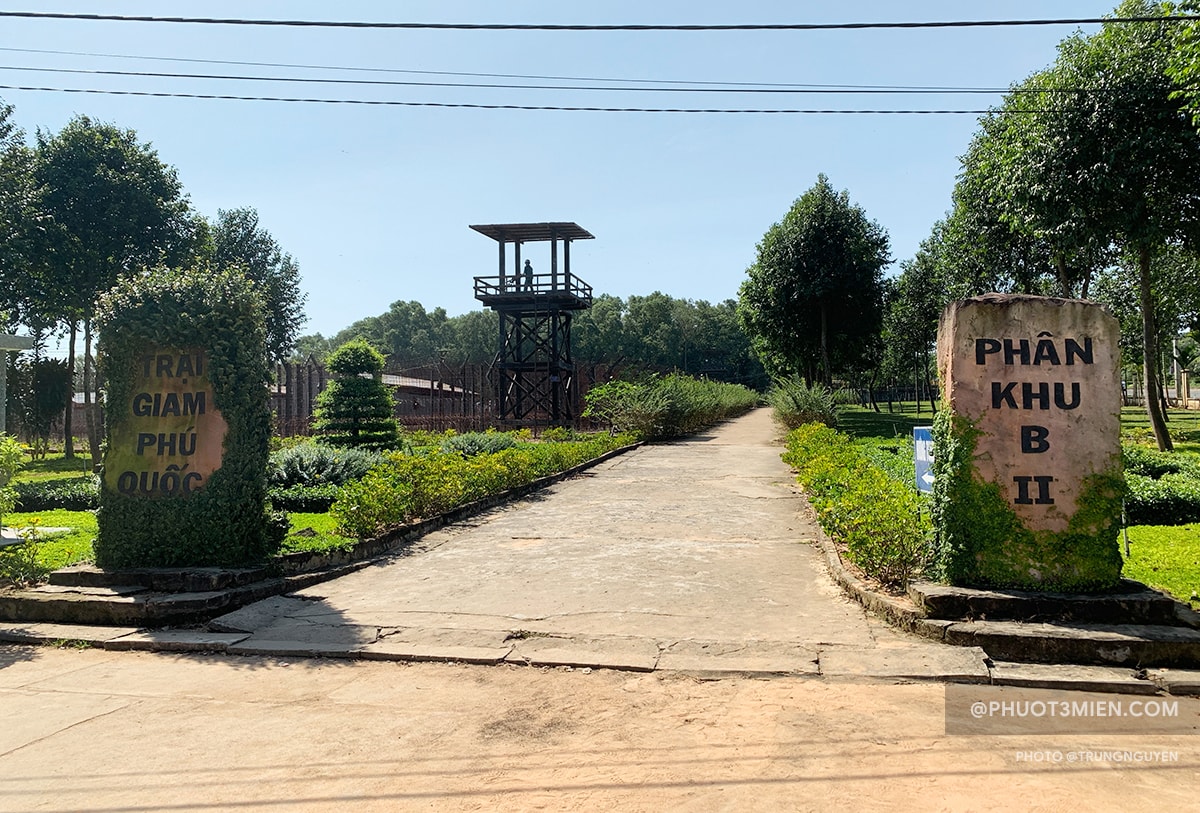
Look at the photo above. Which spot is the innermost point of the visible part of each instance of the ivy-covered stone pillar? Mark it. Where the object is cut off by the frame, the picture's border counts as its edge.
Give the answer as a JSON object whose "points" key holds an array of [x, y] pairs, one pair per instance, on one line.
{"points": [[187, 423], [1027, 454]]}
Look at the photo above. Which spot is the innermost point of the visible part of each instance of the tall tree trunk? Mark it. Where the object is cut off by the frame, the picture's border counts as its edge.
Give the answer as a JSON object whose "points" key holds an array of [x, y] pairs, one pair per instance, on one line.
{"points": [[69, 415], [930, 388], [1150, 354], [827, 375], [91, 409], [1064, 283]]}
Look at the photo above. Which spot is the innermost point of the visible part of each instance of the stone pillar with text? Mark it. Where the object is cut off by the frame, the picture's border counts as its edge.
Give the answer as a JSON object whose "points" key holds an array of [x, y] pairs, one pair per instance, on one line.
{"points": [[1027, 454], [188, 427]]}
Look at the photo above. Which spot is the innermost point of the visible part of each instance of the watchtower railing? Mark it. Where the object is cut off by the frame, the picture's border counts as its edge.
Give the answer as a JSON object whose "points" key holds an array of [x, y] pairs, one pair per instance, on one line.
{"points": [[562, 287]]}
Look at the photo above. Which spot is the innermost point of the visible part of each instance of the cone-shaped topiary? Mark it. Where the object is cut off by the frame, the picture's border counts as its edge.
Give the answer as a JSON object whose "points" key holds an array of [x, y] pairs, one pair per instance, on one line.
{"points": [[356, 408]]}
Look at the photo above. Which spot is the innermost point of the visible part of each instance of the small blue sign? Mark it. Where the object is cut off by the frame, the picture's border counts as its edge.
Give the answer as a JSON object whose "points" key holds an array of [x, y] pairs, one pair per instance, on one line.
{"points": [[923, 457]]}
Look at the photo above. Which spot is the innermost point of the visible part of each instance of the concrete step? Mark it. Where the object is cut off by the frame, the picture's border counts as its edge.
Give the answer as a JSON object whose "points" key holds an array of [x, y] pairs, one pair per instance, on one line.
{"points": [[161, 580], [1130, 602], [1135, 645]]}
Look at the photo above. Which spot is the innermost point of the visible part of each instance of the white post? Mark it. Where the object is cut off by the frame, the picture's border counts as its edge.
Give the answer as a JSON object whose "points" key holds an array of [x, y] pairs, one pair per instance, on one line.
{"points": [[8, 343]]}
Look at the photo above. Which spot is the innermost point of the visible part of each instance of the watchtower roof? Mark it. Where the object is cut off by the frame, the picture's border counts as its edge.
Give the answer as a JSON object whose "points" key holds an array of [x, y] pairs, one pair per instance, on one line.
{"points": [[533, 232]]}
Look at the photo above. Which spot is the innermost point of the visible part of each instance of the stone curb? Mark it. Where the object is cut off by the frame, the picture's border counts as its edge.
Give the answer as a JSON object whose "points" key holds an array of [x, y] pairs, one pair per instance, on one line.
{"points": [[901, 612]]}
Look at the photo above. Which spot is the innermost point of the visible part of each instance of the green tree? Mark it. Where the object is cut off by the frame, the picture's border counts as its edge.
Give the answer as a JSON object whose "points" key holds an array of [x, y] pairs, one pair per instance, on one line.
{"points": [[1183, 64], [474, 337], [356, 408], [110, 207], [407, 333], [1109, 158], [20, 288], [915, 304], [815, 290], [238, 241], [598, 333], [44, 387]]}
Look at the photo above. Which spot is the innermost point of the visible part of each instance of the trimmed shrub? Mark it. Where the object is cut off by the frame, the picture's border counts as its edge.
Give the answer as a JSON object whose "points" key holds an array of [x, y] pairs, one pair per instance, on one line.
{"points": [[67, 493], [313, 464], [470, 444], [1153, 463], [356, 408], [309, 499], [409, 487], [1172, 499], [667, 407], [796, 402], [878, 518]]}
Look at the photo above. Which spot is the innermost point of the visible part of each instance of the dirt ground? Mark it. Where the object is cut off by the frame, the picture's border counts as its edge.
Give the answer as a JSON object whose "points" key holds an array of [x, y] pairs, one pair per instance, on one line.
{"points": [[102, 731]]}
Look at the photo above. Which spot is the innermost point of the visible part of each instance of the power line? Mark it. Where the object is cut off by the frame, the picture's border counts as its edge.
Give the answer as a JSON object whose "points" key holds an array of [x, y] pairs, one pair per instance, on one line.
{"points": [[51, 15], [493, 86], [713, 88], [476, 106], [536, 77]]}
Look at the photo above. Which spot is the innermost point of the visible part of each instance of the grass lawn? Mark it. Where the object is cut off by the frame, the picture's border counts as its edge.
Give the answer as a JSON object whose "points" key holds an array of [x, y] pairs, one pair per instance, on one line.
{"points": [[1166, 557], [309, 532], [59, 549], [314, 532], [55, 467], [865, 422], [1182, 424]]}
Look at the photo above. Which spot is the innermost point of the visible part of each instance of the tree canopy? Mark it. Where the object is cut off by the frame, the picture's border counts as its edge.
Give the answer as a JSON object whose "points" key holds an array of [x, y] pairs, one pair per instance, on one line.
{"points": [[238, 241], [1096, 154], [815, 292]]}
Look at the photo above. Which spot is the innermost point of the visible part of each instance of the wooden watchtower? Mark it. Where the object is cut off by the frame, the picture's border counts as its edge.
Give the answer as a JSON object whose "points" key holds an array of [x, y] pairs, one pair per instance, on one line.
{"points": [[533, 370]]}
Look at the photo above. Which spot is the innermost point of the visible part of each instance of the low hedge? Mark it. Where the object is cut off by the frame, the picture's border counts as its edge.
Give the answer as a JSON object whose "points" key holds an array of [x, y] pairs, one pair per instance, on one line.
{"points": [[876, 516], [1172, 499], [668, 407], [1163, 488], [67, 493], [311, 499], [408, 487]]}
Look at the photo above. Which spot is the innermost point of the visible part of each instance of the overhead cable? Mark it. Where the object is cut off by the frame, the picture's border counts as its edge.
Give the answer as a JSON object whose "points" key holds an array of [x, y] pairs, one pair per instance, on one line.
{"points": [[476, 106], [53, 15]]}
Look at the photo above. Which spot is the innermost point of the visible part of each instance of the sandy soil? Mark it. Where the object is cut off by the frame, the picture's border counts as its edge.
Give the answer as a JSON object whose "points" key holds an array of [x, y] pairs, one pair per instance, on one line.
{"points": [[98, 731]]}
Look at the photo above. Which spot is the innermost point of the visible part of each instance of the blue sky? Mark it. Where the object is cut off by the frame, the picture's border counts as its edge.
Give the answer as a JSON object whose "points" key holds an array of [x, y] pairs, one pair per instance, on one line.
{"points": [[374, 203]]}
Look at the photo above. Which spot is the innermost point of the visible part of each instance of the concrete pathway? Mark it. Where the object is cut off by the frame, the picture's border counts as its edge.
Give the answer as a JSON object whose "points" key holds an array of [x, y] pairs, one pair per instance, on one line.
{"points": [[690, 556]]}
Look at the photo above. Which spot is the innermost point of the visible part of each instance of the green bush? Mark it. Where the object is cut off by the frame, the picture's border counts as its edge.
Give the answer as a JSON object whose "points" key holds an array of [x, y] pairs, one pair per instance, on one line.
{"points": [[409, 487], [356, 409], [1148, 462], [68, 493], [667, 407], [878, 518], [312, 464], [1172, 499], [11, 459], [470, 444], [20, 564], [558, 434], [303, 498], [796, 402]]}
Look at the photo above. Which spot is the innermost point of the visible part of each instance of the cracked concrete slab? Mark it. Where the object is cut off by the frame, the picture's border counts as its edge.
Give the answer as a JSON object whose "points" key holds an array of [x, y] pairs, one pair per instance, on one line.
{"points": [[749, 658], [176, 641], [624, 654], [919, 661]]}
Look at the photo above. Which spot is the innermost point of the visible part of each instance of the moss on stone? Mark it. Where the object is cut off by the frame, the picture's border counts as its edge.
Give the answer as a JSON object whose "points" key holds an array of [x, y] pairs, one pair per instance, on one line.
{"points": [[979, 541]]}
